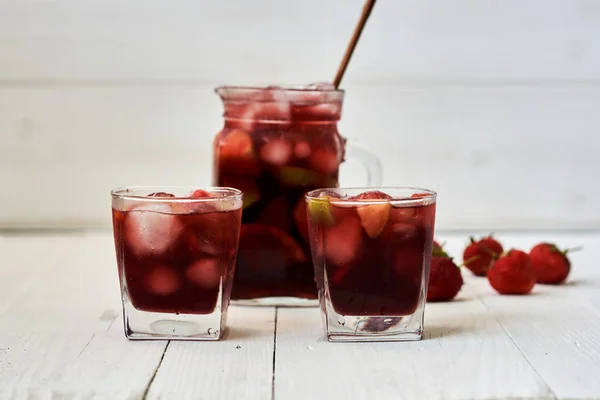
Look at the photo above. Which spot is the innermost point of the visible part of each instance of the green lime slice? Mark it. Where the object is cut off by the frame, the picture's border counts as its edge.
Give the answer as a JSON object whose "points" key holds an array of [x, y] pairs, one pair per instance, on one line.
{"points": [[319, 211], [295, 176], [250, 197]]}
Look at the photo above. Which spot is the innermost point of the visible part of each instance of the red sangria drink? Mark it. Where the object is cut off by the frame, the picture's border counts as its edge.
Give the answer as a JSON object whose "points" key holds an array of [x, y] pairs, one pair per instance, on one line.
{"points": [[276, 145], [371, 250], [176, 252]]}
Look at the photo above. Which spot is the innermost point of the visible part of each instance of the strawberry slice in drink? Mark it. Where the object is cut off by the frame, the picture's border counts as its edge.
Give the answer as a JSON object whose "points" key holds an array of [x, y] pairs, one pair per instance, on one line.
{"points": [[161, 194], [235, 153], [374, 216]]}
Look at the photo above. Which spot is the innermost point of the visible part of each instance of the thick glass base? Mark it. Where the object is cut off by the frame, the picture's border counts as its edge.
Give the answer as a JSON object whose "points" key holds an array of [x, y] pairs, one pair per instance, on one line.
{"points": [[146, 325], [388, 328], [277, 302]]}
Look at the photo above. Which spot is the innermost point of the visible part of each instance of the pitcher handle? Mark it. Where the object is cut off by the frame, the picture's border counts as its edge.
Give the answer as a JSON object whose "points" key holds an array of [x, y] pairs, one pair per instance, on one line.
{"points": [[370, 162]]}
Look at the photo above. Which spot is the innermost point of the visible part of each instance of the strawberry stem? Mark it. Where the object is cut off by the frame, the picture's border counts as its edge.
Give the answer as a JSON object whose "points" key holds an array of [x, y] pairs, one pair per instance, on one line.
{"points": [[439, 253], [468, 260]]}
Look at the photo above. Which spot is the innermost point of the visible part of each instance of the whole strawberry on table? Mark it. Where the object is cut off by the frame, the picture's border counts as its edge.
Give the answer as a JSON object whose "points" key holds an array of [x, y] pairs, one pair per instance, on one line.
{"points": [[445, 279]]}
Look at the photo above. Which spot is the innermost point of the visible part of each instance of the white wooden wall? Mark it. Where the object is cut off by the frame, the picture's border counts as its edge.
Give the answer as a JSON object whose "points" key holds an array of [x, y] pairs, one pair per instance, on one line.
{"points": [[495, 104]]}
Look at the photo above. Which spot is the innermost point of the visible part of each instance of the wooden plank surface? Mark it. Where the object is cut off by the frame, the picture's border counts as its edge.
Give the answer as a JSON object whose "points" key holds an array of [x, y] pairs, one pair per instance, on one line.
{"points": [[61, 336], [557, 329], [238, 367], [465, 354]]}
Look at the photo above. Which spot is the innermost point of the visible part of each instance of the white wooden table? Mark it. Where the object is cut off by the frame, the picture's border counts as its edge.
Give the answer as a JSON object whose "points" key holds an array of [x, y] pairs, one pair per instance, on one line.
{"points": [[61, 337]]}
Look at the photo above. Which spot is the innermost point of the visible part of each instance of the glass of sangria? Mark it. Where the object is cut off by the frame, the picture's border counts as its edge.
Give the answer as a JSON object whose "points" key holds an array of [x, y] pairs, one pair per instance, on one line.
{"points": [[278, 143], [176, 251], [371, 250]]}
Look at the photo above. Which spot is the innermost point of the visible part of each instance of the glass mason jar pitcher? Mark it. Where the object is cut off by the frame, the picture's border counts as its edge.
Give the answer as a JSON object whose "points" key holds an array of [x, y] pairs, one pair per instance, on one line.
{"points": [[276, 145]]}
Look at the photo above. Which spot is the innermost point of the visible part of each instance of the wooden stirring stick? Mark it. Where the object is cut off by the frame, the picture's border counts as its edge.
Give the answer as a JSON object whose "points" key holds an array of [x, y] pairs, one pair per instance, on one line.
{"points": [[366, 11]]}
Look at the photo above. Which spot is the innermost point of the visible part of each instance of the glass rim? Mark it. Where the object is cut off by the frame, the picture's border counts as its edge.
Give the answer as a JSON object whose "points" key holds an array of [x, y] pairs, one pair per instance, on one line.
{"points": [[124, 193], [429, 198], [287, 88]]}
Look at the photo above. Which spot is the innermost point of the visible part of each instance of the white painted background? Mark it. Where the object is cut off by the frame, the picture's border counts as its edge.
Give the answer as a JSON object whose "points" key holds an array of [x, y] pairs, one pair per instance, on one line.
{"points": [[495, 104]]}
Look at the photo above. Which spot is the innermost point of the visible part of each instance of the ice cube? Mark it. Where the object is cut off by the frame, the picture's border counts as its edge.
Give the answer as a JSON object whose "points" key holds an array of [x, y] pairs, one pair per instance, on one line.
{"points": [[316, 92], [276, 152], [324, 161], [302, 149], [211, 233], [272, 107], [419, 216], [341, 209], [343, 242], [325, 109], [193, 207], [162, 281], [402, 231], [205, 273], [151, 228], [320, 86]]}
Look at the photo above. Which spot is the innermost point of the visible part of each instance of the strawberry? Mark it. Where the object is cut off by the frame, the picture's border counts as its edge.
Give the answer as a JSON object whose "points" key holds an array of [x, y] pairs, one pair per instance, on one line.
{"points": [[436, 246], [374, 215], [236, 153], [479, 254], [445, 279], [551, 265], [161, 194], [199, 194], [512, 273]]}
